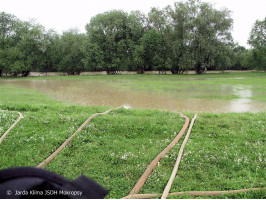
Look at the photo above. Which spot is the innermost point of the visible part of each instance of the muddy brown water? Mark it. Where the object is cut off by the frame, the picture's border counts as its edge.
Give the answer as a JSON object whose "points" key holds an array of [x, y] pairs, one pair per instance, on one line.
{"points": [[104, 94]]}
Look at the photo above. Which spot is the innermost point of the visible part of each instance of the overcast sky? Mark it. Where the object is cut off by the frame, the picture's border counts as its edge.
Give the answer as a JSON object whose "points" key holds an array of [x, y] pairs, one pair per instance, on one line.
{"points": [[62, 15]]}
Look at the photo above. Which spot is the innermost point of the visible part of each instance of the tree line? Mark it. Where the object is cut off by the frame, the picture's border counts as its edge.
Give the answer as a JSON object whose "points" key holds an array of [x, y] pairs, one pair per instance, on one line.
{"points": [[190, 35]]}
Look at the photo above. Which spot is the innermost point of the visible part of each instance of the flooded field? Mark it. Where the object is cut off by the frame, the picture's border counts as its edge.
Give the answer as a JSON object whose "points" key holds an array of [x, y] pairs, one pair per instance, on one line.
{"points": [[200, 98]]}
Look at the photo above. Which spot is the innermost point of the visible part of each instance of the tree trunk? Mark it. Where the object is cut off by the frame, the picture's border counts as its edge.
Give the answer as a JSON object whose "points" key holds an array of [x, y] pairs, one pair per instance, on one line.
{"points": [[174, 69], [198, 68], [25, 73]]}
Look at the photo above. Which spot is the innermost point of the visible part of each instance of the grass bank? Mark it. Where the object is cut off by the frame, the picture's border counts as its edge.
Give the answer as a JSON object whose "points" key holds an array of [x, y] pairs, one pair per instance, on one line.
{"points": [[224, 152]]}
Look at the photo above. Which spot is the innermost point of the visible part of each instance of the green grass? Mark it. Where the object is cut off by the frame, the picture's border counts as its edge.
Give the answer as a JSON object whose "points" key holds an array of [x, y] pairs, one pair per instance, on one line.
{"points": [[11, 95], [224, 152], [6, 120], [114, 150]]}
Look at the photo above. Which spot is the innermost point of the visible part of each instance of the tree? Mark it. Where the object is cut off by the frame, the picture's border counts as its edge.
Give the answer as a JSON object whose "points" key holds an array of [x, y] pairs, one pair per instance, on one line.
{"points": [[190, 35], [14, 61], [159, 21], [138, 56], [106, 31], [31, 45], [93, 57], [223, 57], [116, 33], [238, 57], [248, 60], [211, 30], [257, 40], [52, 53], [152, 43], [180, 36], [71, 48], [8, 24], [21, 45]]}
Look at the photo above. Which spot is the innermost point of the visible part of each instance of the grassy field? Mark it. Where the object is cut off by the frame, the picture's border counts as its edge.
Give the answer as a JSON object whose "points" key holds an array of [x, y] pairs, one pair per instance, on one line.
{"points": [[224, 152]]}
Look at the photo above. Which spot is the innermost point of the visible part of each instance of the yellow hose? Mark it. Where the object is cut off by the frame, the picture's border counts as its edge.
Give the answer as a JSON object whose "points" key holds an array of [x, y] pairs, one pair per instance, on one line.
{"points": [[53, 155], [172, 177], [153, 164], [13, 125], [191, 193]]}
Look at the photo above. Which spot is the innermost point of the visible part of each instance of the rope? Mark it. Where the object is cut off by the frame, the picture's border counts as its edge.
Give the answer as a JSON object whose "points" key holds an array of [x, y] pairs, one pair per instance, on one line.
{"points": [[53, 155], [172, 177], [153, 164], [13, 125]]}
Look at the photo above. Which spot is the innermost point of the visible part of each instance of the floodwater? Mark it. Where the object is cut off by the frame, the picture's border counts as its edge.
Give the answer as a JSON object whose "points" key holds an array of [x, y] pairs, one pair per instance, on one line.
{"points": [[104, 93]]}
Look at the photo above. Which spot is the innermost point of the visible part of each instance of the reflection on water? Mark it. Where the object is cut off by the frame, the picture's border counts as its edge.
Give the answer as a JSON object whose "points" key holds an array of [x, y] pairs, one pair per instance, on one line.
{"points": [[244, 103], [103, 93]]}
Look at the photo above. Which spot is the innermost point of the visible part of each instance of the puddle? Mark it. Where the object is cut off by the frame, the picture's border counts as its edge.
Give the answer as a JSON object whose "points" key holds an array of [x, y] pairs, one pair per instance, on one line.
{"points": [[103, 93]]}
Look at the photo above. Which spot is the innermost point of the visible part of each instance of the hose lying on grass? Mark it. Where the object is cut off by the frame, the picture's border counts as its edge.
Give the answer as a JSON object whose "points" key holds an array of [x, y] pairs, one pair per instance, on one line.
{"points": [[172, 177], [153, 164], [13, 125], [191, 193], [53, 155]]}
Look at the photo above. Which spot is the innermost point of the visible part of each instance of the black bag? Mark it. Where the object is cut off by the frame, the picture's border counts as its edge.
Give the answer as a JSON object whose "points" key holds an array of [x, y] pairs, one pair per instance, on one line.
{"points": [[32, 183]]}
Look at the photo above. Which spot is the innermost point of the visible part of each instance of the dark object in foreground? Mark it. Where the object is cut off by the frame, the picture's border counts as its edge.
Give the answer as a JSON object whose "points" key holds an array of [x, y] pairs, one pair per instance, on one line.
{"points": [[32, 183]]}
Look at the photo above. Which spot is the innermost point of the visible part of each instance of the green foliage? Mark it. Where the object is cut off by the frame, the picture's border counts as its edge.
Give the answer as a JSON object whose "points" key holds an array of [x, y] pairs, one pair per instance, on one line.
{"points": [[158, 20], [152, 49], [180, 37], [21, 46], [195, 35], [139, 57], [116, 34], [257, 35], [259, 58], [71, 52], [11, 57], [52, 53], [189, 35], [258, 41], [211, 30], [93, 57], [239, 55]]}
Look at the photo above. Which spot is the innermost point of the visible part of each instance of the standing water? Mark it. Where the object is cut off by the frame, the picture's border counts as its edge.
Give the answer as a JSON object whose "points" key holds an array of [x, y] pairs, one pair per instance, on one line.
{"points": [[103, 94]]}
